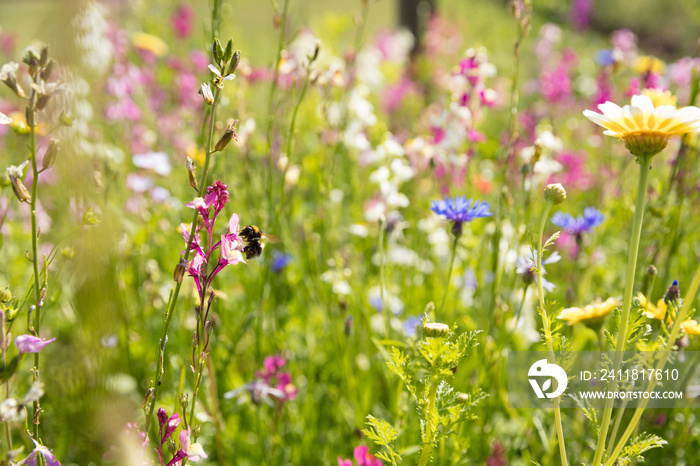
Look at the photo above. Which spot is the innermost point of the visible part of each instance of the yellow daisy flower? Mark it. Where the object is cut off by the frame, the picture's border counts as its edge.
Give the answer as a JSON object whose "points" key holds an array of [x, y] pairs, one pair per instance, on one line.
{"points": [[691, 327], [153, 44], [657, 312], [591, 314], [644, 127], [659, 97]]}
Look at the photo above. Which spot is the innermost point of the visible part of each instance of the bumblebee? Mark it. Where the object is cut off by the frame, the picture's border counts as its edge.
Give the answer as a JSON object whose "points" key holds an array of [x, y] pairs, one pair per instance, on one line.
{"points": [[253, 237]]}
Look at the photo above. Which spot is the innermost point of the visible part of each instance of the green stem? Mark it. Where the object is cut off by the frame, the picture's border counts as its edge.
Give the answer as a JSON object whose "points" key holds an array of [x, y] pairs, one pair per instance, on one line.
{"points": [[427, 446], [385, 311], [449, 276], [548, 331], [675, 332], [290, 138], [176, 291], [270, 105], [35, 249], [645, 163]]}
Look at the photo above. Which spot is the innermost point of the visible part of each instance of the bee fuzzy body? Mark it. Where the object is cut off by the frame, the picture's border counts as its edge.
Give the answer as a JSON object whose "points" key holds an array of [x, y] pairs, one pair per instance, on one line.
{"points": [[253, 237]]}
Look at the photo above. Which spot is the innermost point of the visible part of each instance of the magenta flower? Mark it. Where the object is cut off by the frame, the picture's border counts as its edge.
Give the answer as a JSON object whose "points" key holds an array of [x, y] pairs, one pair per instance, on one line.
{"points": [[190, 451], [342, 462], [181, 20], [31, 344], [170, 424], [32, 459], [364, 458]]}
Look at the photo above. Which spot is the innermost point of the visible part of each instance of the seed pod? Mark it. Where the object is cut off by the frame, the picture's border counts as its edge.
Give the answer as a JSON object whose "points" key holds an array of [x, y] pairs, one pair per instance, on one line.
{"points": [[19, 189], [226, 138], [51, 153], [180, 269], [191, 175]]}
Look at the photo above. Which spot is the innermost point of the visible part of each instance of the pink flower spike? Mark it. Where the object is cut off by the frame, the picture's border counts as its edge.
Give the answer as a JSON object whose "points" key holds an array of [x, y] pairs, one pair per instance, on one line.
{"points": [[233, 225], [31, 344], [230, 251]]}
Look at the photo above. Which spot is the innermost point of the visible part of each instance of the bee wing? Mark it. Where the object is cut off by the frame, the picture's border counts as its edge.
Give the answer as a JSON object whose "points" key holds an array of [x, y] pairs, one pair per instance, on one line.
{"points": [[271, 238]]}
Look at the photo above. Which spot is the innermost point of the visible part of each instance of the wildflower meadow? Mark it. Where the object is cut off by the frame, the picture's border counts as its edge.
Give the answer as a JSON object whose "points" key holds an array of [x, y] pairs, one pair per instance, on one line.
{"points": [[358, 233]]}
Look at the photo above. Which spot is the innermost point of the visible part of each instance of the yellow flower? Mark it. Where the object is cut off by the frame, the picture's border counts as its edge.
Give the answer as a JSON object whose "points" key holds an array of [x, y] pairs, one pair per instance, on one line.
{"points": [[591, 314], [645, 128], [659, 97], [657, 312], [691, 327], [149, 42], [649, 64]]}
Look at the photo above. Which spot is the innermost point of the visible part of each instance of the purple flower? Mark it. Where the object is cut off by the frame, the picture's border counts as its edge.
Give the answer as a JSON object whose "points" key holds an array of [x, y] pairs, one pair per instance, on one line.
{"points": [[31, 344], [525, 266], [280, 260], [410, 325], [592, 217], [605, 57], [461, 209], [31, 460]]}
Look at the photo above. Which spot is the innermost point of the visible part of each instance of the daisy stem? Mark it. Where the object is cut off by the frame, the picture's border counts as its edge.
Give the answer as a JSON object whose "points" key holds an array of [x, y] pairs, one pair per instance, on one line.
{"points": [[675, 331], [548, 332], [449, 276], [645, 163]]}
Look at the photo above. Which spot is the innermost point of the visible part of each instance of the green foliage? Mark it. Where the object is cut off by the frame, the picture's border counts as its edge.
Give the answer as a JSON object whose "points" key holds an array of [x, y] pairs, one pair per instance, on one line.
{"points": [[383, 434], [632, 453]]}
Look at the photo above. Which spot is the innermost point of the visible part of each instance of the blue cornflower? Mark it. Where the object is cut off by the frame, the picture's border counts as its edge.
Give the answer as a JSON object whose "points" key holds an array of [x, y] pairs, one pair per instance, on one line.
{"points": [[592, 217], [605, 57], [460, 210], [411, 324], [280, 260]]}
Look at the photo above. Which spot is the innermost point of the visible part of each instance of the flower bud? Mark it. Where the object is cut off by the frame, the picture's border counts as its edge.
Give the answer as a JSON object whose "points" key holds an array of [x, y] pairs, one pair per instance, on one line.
{"points": [[463, 398], [172, 448], [435, 329], [226, 138], [31, 57], [205, 92], [66, 119], [317, 49], [48, 70], [5, 295], [229, 51], [217, 51], [90, 218], [51, 153], [44, 56], [651, 271], [555, 193], [162, 417], [8, 75], [347, 328], [235, 60], [16, 174], [191, 175]]}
